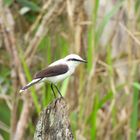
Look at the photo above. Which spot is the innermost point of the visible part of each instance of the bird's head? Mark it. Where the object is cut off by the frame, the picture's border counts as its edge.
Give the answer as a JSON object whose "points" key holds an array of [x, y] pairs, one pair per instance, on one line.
{"points": [[73, 60]]}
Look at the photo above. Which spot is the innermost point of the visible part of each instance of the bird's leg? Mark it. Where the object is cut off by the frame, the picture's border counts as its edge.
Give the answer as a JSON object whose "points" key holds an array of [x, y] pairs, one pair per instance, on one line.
{"points": [[53, 90], [58, 91]]}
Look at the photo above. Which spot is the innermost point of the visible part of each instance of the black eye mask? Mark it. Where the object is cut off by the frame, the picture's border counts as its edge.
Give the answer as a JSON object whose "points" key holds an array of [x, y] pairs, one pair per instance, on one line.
{"points": [[76, 60]]}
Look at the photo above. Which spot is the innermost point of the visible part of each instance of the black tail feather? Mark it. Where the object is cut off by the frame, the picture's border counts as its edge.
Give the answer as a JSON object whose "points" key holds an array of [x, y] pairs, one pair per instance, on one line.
{"points": [[30, 84]]}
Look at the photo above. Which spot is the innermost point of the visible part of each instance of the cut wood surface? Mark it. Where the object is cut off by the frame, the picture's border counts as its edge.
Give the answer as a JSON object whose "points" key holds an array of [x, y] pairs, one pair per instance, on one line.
{"points": [[53, 123]]}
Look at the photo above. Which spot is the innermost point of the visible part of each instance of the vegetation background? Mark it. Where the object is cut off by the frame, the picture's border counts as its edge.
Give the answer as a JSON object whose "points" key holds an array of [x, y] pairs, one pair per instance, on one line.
{"points": [[103, 96]]}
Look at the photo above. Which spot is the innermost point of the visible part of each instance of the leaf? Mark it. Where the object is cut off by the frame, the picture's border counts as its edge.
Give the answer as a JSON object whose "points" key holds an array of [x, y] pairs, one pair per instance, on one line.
{"points": [[31, 5], [134, 115], [105, 20], [24, 10], [8, 2], [136, 85]]}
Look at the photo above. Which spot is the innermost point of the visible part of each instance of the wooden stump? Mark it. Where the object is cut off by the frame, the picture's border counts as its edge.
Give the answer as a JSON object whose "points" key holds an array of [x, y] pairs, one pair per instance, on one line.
{"points": [[53, 123]]}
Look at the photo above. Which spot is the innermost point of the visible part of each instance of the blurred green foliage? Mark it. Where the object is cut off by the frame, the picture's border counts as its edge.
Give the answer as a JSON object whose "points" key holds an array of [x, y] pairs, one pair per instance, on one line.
{"points": [[100, 106]]}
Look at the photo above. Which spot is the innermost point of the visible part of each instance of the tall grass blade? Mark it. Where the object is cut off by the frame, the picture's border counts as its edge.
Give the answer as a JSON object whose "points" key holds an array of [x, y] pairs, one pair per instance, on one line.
{"points": [[134, 116], [28, 75], [93, 117], [105, 21], [91, 37]]}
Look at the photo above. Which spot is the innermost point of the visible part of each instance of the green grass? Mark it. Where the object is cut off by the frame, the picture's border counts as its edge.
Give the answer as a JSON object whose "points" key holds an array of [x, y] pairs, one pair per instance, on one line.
{"points": [[29, 78], [94, 92], [94, 36], [106, 19], [134, 116], [93, 117]]}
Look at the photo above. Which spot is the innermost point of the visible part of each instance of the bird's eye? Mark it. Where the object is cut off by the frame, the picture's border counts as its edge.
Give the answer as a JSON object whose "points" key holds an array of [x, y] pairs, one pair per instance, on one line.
{"points": [[74, 59], [71, 59]]}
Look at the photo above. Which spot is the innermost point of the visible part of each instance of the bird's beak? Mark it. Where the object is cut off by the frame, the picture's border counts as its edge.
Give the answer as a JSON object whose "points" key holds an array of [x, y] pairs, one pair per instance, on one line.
{"points": [[84, 61]]}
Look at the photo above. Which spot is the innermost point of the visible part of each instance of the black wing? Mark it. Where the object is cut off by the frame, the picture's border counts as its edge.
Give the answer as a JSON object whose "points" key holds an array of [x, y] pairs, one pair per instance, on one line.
{"points": [[52, 71]]}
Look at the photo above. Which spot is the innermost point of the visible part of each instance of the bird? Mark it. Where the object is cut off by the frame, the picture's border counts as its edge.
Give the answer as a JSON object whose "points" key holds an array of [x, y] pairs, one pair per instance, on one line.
{"points": [[56, 72]]}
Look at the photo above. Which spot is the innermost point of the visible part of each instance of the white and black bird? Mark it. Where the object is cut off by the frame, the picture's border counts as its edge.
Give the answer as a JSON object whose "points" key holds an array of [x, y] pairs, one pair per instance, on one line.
{"points": [[57, 71]]}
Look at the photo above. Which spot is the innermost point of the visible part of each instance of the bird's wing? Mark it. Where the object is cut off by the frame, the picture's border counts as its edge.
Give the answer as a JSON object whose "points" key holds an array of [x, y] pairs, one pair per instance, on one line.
{"points": [[52, 71]]}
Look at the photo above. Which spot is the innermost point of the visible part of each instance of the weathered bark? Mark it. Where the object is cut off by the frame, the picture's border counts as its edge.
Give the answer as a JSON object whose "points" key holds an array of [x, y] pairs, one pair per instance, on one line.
{"points": [[53, 123]]}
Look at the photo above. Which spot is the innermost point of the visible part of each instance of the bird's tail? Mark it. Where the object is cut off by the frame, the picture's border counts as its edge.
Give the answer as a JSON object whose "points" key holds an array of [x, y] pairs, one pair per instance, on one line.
{"points": [[34, 81]]}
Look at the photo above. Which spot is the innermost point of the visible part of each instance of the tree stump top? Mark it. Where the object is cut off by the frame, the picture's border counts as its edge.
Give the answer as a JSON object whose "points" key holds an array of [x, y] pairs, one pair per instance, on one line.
{"points": [[53, 123]]}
